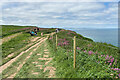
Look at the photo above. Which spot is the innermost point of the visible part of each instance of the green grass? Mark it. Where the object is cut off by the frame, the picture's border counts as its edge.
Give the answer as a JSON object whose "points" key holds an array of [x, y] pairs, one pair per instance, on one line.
{"points": [[29, 65], [18, 52], [86, 65], [24, 72], [47, 30], [15, 44], [12, 29], [87, 44], [13, 68]]}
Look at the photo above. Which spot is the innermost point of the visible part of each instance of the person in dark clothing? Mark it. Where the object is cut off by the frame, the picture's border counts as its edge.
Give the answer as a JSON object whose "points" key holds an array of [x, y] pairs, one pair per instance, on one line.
{"points": [[57, 30], [37, 29], [36, 32], [31, 33]]}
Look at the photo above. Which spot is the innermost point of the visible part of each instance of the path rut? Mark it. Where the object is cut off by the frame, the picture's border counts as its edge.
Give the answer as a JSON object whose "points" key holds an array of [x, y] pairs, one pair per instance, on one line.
{"points": [[46, 58], [3, 67]]}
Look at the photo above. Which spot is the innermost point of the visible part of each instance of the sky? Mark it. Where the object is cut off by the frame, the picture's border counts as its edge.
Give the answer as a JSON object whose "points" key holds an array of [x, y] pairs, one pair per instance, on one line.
{"points": [[62, 14]]}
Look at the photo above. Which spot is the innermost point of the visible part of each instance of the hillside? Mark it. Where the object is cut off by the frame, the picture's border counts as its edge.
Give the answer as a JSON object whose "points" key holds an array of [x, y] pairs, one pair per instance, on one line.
{"points": [[37, 57], [93, 59]]}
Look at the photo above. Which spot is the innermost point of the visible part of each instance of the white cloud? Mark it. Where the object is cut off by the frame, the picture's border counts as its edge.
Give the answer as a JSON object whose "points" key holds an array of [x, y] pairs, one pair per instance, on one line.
{"points": [[55, 7], [59, 14], [59, 0], [56, 16], [111, 10], [86, 6]]}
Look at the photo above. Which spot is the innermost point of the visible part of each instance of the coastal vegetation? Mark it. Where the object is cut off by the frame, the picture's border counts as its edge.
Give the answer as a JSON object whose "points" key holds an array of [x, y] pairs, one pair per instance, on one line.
{"points": [[93, 59]]}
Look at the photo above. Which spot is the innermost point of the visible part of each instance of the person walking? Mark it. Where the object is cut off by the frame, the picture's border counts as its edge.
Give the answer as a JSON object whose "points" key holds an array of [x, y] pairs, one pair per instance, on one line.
{"points": [[41, 33], [57, 30]]}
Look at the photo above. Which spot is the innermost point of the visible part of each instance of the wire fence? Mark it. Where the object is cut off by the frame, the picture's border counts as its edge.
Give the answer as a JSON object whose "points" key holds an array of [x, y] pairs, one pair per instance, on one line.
{"points": [[73, 45], [66, 43], [75, 51]]}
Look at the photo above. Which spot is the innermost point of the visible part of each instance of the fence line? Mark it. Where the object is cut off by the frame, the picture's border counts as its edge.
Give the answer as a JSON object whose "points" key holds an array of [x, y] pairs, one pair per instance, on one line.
{"points": [[74, 49]]}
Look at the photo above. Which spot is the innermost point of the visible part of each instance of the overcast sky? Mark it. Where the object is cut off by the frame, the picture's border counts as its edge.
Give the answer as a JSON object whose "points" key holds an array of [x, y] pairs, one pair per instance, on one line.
{"points": [[60, 14]]}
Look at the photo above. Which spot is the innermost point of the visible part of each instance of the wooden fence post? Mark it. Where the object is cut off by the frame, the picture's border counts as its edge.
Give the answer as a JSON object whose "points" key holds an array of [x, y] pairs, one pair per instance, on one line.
{"points": [[56, 41], [74, 51], [52, 38]]}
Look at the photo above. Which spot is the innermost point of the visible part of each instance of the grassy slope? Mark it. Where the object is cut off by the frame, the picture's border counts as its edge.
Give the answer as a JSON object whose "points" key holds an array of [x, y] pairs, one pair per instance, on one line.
{"points": [[63, 61], [16, 44], [11, 29], [87, 65]]}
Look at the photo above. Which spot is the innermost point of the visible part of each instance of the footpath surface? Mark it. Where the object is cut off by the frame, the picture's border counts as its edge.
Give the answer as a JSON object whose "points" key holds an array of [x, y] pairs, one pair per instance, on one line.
{"points": [[37, 58], [5, 39]]}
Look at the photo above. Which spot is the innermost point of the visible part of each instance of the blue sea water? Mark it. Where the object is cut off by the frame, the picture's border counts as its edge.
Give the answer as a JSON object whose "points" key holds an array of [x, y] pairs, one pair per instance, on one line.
{"points": [[109, 36]]}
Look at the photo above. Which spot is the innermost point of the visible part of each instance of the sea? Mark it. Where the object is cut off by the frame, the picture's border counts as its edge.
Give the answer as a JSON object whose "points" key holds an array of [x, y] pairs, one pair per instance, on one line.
{"points": [[109, 36]]}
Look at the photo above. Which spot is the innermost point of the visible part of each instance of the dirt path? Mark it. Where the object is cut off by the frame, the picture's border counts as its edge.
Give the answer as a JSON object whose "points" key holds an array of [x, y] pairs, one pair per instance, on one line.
{"points": [[20, 66], [51, 34], [47, 66], [32, 40], [3, 67], [5, 39], [47, 59]]}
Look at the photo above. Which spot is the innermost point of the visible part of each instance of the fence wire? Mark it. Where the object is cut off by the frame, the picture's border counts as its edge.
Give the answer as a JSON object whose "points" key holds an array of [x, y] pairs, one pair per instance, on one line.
{"points": [[65, 44]]}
